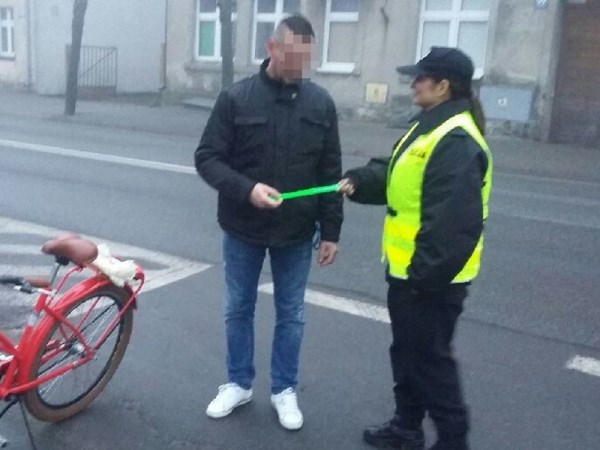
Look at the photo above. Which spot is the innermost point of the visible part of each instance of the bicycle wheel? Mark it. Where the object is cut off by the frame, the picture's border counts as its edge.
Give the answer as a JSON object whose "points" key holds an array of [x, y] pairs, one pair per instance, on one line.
{"points": [[69, 393]]}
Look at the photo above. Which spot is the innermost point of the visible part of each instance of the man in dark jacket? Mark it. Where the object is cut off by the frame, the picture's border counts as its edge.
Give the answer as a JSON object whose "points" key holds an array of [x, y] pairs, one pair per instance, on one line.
{"points": [[270, 133]]}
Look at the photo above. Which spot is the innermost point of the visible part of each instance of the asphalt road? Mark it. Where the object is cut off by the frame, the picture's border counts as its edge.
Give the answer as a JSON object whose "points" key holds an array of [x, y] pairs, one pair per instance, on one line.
{"points": [[533, 308]]}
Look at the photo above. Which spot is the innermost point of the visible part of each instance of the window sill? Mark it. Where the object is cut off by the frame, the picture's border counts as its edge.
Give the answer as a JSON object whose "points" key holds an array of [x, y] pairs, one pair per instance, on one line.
{"points": [[338, 69], [8, 58], [215, 67], [200, 65], [208, 59]]}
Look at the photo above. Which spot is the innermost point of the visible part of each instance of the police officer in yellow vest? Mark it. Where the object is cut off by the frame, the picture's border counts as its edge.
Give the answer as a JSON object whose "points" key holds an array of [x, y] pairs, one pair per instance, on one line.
{"points": [[436, 187]]}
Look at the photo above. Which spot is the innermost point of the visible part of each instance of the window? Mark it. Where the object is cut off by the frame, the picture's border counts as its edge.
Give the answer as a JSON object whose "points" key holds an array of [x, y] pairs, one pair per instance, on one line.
{"points": [[208, 30], [267, 13], [341, 30], [7, 33], [455, 23]]}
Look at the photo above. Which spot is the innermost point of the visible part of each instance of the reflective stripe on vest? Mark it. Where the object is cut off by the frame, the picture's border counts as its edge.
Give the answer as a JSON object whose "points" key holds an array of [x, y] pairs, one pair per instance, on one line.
{"points": [[404, 187]]}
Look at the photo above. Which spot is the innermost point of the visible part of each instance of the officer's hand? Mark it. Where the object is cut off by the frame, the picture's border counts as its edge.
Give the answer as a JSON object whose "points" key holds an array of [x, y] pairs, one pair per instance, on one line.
{"points": [[265, 197], [346, 186], [327, 253]]}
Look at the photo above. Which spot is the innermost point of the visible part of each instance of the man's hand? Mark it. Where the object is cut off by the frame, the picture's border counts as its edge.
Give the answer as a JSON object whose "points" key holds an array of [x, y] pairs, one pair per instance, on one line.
{"points": [[327, 253], [265, 197]]}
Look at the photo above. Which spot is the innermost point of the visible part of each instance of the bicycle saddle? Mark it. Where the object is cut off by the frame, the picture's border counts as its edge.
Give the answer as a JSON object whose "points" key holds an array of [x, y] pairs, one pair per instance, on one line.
{"points": [[73, 247]]}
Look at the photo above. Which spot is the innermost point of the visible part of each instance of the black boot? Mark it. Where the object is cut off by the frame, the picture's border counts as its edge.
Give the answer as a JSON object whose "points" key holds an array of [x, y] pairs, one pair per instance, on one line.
{"points": [[459, 443], [391, 435]]}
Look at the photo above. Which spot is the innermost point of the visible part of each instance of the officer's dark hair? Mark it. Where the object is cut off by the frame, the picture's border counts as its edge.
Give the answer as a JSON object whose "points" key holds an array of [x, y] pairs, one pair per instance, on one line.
{"points": [[297, 24], [461, 89]]}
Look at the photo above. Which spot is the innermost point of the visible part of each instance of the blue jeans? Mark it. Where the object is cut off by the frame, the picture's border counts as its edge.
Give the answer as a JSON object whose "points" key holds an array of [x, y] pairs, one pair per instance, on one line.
{"points": [[290, 267]]}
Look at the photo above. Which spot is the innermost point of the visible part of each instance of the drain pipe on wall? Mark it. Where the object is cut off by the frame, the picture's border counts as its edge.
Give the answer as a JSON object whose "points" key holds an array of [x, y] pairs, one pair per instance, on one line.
{"points": [[30, 38], [163, 75]]}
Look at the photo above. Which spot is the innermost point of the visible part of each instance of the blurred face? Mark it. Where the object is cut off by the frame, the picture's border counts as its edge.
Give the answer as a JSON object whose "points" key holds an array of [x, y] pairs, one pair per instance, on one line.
{"points": [[290, 55], [428, 93]]}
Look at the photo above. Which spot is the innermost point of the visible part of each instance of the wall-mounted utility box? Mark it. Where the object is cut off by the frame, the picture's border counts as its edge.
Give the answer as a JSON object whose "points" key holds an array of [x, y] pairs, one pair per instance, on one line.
{"points": [[507, 103], [376, 93]]}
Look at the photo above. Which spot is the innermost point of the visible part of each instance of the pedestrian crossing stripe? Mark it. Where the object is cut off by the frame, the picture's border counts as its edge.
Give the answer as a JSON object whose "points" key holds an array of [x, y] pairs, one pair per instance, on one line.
{"points": [[160, 268]]}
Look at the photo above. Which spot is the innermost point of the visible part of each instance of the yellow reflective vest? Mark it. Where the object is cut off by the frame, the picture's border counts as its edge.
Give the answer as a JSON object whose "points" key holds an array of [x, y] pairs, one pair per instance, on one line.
{"points": [[404, 188]]}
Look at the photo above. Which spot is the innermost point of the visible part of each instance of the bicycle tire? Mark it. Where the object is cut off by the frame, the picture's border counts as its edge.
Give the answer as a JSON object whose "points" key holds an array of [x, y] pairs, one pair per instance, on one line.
{"points": [[36, 401]]}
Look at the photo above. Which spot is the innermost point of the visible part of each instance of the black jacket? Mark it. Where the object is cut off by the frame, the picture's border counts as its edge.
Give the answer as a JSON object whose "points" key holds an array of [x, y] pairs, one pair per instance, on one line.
{"points": [[451, 204], [286, 136]]}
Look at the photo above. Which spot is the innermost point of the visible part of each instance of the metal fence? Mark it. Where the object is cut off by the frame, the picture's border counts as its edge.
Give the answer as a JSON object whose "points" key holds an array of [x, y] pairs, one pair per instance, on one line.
{"points": [[97, 70]]}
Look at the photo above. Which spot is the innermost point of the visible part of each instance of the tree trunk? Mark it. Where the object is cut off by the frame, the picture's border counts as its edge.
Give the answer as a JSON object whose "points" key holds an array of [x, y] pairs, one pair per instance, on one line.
{"points": [[79, 8], [225, 8]]}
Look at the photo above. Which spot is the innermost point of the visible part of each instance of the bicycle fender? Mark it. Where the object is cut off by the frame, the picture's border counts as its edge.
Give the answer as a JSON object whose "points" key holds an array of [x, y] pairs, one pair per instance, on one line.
{"points": [[41, 329]]}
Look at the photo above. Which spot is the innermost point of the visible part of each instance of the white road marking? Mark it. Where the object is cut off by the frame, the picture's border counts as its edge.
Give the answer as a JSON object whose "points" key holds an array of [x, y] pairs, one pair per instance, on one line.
{"points": [[189, 170], [179, 268], [583, 364], [369, 311], [581, 223], [171, 269], [341, 304], [25, 269], [547, 179], [568, 199], [20, 249], [143, 163]]}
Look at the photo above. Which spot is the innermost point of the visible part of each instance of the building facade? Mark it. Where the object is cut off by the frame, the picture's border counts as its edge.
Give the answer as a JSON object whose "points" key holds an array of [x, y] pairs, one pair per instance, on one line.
{"points": [[14, 52], [122, 45], [537, 61]]}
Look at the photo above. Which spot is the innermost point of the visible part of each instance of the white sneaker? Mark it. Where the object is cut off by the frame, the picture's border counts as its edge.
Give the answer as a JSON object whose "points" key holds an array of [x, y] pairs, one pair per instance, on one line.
{"points": [[229, 397], [286, 404]]}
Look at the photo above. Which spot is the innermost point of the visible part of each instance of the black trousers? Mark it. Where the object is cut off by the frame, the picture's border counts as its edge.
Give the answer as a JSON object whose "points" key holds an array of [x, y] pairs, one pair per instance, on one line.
{"points": [[425, 372]]}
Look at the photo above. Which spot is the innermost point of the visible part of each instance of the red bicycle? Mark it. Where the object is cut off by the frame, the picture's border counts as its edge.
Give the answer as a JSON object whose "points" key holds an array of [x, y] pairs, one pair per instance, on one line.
{"points": [[76, 334]]}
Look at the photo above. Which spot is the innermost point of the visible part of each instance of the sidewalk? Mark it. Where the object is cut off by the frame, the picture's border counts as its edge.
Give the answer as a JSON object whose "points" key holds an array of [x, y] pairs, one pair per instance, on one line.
{"points": [[358, 138], [176, 120]]}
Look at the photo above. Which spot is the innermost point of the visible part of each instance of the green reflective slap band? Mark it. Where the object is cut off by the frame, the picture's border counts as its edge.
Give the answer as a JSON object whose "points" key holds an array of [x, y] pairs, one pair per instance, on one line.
{"points": [[309, 191]]}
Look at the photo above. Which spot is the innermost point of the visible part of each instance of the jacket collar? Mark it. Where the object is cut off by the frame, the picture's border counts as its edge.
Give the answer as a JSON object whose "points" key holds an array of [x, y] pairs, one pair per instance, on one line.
{"points": [[264, 76], [284, 92], [433, 118]]}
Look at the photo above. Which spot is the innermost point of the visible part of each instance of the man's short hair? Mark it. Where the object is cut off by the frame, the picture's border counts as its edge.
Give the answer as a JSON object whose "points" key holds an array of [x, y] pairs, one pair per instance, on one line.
{"points": [[297, 24]]}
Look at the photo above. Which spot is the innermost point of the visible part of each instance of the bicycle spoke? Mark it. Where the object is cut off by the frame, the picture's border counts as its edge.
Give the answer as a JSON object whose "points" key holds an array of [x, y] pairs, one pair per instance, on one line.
{"points": [[48, 369], [98, 329], [85, 347], [77, 382], [82, 330]]}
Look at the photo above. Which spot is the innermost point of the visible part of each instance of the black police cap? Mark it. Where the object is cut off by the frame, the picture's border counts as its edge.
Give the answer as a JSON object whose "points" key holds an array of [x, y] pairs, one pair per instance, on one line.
{"points": [[446, 62]]}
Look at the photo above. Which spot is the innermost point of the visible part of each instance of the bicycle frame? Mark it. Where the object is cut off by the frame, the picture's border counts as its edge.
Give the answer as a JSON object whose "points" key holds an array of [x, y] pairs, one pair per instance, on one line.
{"points": [[50, 308]]}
